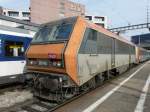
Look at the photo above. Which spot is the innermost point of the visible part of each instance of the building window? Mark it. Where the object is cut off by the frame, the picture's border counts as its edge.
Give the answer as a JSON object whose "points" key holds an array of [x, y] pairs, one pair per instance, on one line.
{"points": [[13, 13], [61, 15], [62, 3], [99, 18], [27, 20], [62, 10], [73, 6], [82, 14], [88, 17], [79, 8], [25, 14]]}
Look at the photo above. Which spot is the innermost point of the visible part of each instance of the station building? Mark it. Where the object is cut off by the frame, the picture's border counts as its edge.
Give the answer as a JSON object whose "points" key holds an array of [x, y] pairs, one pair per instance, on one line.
{"points": [[16, 23], [142, 40]]}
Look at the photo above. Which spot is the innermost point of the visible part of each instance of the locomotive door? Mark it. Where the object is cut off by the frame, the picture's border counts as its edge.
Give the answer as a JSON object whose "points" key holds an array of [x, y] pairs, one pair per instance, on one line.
{"points": [[113, 54]]}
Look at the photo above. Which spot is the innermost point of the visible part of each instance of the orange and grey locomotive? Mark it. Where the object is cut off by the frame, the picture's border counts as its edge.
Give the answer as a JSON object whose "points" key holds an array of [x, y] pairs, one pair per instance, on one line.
{"points": [[72, 55]]}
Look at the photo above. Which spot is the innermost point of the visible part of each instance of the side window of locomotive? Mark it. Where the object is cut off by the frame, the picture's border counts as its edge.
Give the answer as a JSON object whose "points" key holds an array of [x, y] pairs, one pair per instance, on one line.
{"points": [[14, 49], [121, 47], [104, 44], [89, 43]]}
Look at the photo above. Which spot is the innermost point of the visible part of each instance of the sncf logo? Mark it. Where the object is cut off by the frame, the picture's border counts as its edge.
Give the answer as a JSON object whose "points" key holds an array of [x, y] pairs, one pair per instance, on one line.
{"points": [[52, 56]]}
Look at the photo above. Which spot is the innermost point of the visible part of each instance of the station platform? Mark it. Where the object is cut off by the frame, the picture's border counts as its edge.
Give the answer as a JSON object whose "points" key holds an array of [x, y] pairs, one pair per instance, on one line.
{"points": [[130, 92]]}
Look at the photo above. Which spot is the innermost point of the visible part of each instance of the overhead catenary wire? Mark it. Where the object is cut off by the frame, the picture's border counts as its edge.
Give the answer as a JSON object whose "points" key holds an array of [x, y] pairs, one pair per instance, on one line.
{"points": [[114, 11]]}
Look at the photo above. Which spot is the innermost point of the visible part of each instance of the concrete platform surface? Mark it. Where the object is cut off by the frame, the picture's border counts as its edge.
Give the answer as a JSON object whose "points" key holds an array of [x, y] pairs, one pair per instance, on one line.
{"points": [[130, 92]]}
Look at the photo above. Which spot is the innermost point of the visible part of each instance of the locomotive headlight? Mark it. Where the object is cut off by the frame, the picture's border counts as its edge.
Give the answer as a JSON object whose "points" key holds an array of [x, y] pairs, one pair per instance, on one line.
{"points": [[46, 63], [31, 62], [59, 64], [56, 63]]}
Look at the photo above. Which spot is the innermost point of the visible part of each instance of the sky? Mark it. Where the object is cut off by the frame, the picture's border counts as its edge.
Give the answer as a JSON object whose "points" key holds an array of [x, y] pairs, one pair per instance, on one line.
{"points": [[15, 4], [118, 12]]}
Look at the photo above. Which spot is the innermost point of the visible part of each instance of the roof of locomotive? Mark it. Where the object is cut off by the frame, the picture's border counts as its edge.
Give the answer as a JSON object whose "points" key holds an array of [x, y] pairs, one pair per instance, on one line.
{"points": [[90, 25], [61, 21], [107, 32]]}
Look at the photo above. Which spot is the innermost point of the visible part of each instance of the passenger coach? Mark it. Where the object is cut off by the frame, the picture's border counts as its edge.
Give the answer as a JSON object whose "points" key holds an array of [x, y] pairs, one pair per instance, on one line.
{"points": [[13, 44], [73, 55]]}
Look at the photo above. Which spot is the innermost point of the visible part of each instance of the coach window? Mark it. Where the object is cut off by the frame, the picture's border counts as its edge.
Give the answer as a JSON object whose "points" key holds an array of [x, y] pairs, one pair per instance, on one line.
{"points": [[14, 49], [1, 46], [89, 44]]}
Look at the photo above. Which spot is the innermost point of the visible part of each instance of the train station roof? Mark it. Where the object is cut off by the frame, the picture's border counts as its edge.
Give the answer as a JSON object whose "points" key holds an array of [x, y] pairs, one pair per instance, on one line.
{"points": [[2, 17]]}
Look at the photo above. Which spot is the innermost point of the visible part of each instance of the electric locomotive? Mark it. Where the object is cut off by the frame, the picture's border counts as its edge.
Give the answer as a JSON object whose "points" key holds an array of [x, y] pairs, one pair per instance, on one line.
{"points": [[72, 55]]}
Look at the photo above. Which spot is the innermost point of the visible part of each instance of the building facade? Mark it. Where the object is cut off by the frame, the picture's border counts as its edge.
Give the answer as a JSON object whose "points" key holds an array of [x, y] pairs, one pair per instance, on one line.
{"points": [[49, 10], [99, 20], [22, 15]]}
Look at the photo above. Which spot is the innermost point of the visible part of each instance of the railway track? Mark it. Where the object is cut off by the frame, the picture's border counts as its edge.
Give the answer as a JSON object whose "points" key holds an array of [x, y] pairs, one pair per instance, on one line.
{"points": [[32, 105], [11, 87], [38, 105]]}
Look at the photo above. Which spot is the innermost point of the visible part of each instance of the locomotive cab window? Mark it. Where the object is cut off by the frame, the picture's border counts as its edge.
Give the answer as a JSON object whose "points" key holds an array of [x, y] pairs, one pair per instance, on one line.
{"points": [[53, 33], [89, 44], [14, 49]]}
